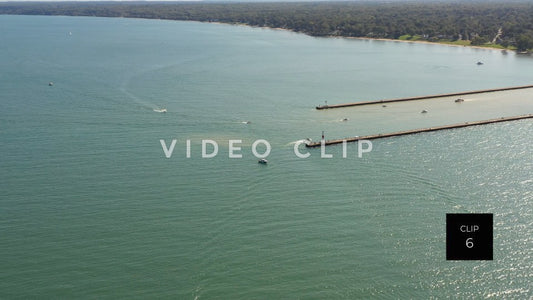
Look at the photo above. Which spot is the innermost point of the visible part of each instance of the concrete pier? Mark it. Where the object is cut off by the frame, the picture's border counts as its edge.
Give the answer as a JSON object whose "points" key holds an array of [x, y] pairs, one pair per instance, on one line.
{"points": [[413, 131], [320, 107]]}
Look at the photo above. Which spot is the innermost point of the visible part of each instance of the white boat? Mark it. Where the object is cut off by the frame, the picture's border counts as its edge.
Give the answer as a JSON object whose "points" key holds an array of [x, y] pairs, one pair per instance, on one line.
{"points": [[160, 110], [263, 161], [423, 111]]}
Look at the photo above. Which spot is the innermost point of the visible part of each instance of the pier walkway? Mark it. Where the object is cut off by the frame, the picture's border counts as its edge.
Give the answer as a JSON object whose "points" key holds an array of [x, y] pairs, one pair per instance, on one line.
{"points": [[413, 131], [320, 107]]}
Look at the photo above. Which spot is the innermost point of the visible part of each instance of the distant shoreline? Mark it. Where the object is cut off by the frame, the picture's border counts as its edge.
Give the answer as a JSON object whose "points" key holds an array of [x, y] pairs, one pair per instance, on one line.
{"points": [[363, 38], [477, 25], [431, 43], [294, 31]]}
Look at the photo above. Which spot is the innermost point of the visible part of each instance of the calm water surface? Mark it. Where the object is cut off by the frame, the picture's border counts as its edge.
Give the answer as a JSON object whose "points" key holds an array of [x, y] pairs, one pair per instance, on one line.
{"points": [[91, 208]]}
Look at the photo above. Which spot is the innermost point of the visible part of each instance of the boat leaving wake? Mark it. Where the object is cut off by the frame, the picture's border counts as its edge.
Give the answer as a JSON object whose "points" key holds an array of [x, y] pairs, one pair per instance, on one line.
{"points": [[160, 110], [304, 141]]}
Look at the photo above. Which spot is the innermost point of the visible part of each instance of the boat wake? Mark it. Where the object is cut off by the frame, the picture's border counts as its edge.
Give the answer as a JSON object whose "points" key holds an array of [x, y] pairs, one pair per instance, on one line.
{"points": [[140, 101], [304, 141]]}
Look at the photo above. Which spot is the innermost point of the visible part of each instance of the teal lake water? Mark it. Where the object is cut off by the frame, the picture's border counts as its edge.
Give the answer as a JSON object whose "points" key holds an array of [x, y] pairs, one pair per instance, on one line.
{"points": [[91, 208]]}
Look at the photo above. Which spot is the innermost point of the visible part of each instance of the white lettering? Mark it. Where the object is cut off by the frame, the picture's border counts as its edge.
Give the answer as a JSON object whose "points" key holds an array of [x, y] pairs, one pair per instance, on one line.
{"points": [[168, 152], [344, 146], [204, 150], [267, 151], [323, 150], [297, 151], [233, 148], [361, 150]]}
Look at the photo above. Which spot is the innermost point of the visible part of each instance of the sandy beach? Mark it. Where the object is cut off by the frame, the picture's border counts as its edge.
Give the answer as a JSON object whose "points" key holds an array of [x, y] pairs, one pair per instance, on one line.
{"points": [[426, 42], [366, 38]]}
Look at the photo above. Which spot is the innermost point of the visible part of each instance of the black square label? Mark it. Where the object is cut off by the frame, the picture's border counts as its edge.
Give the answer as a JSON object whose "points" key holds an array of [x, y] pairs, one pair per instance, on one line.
{"points": [[469, 236]]}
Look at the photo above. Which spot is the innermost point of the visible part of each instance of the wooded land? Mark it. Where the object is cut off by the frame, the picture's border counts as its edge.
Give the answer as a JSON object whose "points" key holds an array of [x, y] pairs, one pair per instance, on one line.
{"points": [[504, 24]]}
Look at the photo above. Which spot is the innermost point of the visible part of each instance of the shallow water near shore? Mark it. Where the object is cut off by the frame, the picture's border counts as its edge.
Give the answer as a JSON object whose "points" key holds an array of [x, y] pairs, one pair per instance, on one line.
{"points": [[91, 208]]}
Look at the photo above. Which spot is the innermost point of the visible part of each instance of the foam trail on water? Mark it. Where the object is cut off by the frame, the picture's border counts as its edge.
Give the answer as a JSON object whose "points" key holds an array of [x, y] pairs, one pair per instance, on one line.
{"points": [[138, 100], [307, 140]]}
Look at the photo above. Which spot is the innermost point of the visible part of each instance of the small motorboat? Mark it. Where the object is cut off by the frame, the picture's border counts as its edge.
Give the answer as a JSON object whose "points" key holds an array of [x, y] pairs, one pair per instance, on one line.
{"points": [[459, 100], [479, 63], [160, 110], [423, 111], [384, 105], [344, 120], [263, 161], [50, 83]]}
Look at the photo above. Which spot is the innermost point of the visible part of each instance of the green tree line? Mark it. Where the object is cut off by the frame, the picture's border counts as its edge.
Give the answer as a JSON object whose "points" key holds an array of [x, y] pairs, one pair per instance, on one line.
{"points": [[509, 24]]}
